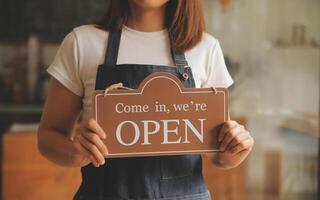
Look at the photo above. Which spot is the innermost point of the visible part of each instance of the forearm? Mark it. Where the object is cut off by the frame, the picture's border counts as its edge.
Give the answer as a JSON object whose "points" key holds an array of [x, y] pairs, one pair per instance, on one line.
{"points": [[58, 148]]}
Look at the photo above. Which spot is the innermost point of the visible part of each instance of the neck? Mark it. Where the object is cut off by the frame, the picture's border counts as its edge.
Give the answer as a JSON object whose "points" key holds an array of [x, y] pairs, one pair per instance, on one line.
{"points": [[146, 20]]}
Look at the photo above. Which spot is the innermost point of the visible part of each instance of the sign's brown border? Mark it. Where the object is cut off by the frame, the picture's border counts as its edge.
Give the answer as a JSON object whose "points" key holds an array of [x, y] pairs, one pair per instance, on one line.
{"points": [[144, 84]]}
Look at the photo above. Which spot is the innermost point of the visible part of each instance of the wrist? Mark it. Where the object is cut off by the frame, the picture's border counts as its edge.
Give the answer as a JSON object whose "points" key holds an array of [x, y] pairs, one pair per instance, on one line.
{"points": [[77, 155], [73, 155], [227, 161], [222, 161]]}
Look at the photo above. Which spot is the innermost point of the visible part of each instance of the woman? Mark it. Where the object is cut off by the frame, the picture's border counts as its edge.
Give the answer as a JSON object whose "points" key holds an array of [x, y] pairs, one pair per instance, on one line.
{"points": [[135, 39]]}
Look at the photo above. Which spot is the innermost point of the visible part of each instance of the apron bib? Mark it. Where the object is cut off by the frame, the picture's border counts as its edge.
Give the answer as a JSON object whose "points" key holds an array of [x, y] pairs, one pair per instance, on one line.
{"points": [[160, 177]]}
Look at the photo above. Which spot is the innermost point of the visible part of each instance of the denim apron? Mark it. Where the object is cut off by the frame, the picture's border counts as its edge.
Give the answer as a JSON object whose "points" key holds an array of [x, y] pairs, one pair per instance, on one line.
{"points": [[160, 177]]}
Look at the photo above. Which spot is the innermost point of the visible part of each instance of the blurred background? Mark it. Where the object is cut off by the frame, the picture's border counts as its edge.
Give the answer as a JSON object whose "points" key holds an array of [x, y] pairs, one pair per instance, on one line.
{"points": [[272, 50]]}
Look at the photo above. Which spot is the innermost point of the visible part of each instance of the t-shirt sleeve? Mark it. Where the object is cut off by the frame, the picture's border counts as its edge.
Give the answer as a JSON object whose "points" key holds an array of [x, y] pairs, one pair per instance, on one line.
{"points": [[65, 66], [218, 75]]}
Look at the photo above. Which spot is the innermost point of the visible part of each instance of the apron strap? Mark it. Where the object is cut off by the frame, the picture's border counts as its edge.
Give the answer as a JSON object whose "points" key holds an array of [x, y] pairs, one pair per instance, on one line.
{"points": [[111, 55], [179, 58]]}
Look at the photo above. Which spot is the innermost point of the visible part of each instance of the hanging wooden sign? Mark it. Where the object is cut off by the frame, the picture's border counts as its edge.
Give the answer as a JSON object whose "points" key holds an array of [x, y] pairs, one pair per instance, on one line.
{"points": [[161, 117]]}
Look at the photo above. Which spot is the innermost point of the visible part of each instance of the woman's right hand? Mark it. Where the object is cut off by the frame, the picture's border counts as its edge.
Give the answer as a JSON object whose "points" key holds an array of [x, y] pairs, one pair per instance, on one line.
{"points": [[89, 145]]}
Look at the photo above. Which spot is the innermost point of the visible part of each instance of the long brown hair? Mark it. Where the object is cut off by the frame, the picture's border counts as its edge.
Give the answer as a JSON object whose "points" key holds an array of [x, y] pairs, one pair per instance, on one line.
{"points": [[184, 20]]}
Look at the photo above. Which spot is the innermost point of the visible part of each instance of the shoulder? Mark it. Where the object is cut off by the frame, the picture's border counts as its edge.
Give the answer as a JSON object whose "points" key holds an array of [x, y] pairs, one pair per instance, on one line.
{"points": [[90, 40], [87, 42], [208, 40], [207, 45], [89, 33], [88, 29], [84, 34]]}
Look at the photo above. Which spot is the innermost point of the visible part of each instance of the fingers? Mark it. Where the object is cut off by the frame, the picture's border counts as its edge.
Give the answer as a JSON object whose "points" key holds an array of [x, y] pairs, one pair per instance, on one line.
{"points": [[243, 145], [85, 152], [90, 138], [95, 140], [229, 135], [92, 149], [234, 138], [93, 126], [238, 139], [225, 128]]}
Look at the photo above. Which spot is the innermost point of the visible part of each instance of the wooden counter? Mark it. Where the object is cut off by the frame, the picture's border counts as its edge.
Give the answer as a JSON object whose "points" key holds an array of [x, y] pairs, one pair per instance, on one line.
{"points": [[26, 175]]}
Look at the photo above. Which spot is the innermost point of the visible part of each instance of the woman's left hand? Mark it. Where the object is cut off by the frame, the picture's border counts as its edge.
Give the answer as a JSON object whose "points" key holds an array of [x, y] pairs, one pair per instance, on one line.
{"points": [[235, 145], [234, 138]]}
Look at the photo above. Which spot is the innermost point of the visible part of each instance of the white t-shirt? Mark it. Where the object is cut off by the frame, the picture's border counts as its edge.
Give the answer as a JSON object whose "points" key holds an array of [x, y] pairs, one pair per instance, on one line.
{"points": [[83, 49]]}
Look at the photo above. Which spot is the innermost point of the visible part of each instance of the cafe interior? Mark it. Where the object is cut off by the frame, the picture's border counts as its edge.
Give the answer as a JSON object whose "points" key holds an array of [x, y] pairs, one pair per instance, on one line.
{"points": [[272, 52]]}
